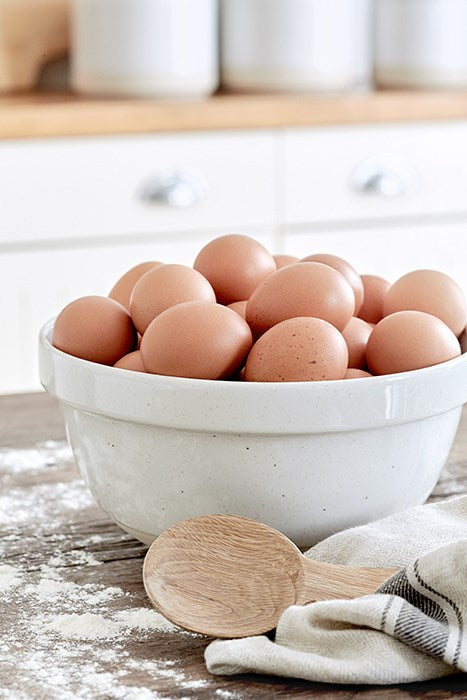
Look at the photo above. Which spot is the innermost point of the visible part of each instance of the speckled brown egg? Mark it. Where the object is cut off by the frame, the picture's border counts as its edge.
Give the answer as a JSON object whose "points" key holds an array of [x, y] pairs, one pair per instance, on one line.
{"points": [[239, 307], [409, 340], [166, 286], [298, 350], [302, 289], [283, 260], [353, 373], [430, 291], [234, 265], [131, 361], [196, 339], [356, 334], [121, 291], [342, 266], [95, 328], [374, 290]]}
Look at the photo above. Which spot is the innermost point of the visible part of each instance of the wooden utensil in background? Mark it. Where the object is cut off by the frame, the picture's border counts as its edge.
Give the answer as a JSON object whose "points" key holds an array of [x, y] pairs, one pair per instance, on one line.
{"points": [[228, 576], [32, 33]]}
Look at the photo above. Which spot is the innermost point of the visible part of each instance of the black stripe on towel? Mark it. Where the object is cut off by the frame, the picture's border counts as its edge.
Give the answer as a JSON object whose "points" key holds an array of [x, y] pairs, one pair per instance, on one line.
{"points": [[399, 585], [451, 603]]}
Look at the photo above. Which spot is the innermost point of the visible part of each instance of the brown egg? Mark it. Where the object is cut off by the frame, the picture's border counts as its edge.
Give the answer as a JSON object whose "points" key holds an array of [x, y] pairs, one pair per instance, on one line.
{"points": [[121, 291], [298, 350], [302, 289], [430, 291], [409, 340], [131, 361], [94, 328], [342, 266], [283, 260], [356, 334], [356, 374], [166, 286], [234, 265], [196, 339], [374, 291], [463, 340], [239, 307]]}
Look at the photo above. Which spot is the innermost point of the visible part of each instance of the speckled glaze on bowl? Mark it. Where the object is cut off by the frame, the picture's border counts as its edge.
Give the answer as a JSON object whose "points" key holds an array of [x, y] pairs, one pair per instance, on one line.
{"points": [[306, 458]]}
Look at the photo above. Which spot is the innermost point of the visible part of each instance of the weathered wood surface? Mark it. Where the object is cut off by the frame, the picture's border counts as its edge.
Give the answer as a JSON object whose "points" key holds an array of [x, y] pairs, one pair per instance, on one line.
{"points": [[52, 530]]}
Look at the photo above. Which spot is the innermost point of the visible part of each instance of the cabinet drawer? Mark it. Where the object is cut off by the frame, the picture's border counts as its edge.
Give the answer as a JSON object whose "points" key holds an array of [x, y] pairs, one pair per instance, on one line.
{"points": [[375, 172], [79, 187]]}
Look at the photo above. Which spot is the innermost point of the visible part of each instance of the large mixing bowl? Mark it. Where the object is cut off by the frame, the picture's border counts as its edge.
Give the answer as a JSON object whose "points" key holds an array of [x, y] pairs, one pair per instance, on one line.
{"points": [[307, 458]]}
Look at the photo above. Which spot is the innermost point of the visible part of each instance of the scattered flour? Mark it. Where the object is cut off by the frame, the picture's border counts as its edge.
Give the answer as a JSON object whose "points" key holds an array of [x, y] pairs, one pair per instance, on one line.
{"points": [[109, 656], [9, 577], [51, 453], [140, 694], [201, 683], [69, 631], [43, 504], [74, 557], [145, 619], [85, 626], [48, 588], [95, 626], [51, 589]]}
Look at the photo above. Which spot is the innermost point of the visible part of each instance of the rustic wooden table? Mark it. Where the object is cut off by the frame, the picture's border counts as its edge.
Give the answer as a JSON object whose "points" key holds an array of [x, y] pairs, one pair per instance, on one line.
{"points": [[74, 618]]}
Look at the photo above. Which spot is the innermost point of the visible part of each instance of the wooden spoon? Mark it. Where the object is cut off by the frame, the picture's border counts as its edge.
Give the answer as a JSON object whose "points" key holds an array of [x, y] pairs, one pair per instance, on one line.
{"points": [[228, 576]]}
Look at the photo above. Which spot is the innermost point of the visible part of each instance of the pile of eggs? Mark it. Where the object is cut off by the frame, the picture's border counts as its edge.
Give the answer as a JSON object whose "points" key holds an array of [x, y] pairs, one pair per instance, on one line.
{"points": [[242, 314]]}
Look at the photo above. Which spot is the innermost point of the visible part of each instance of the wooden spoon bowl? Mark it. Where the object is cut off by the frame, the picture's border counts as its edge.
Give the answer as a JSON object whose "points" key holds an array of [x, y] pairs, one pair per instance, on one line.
{"points": [[228, 576]]}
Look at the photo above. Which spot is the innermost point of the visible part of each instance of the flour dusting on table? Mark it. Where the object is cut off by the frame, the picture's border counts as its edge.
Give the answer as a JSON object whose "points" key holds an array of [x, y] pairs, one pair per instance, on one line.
{"points": [[68, 621], [9, 577]]}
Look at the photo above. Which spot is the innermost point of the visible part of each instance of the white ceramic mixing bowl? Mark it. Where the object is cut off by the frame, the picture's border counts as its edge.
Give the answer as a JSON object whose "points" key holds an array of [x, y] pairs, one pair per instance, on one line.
{"points": [[307, 458]]}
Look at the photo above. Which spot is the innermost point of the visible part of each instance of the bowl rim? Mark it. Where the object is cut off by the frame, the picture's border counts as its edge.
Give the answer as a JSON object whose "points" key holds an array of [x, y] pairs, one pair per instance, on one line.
{"points": [[398, 398], [46, 331]]}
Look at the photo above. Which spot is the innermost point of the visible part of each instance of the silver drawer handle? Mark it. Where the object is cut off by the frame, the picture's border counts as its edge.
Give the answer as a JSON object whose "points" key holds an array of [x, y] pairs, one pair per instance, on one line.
{"points": [[175, 188], [386, 184], [385, 175]]}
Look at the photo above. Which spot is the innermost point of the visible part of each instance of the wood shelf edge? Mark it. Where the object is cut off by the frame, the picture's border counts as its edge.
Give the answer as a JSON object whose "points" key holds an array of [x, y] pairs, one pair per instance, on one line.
{"points": [[42, 115]]}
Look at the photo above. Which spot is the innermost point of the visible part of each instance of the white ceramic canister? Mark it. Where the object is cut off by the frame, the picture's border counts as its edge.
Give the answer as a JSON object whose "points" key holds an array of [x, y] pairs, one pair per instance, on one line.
{"points": [[295, 45], [421, 43], [145, 48]]}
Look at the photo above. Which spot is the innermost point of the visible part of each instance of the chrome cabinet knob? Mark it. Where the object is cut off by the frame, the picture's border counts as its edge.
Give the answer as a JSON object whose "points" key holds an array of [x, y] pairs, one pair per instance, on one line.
{"points": [[174, 188], [386, 184], [385, 175]]}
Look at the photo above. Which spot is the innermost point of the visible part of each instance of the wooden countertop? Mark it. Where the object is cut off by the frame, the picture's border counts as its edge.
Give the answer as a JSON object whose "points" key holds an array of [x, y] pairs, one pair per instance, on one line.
{"points": [[61, 114], [69, 557]]}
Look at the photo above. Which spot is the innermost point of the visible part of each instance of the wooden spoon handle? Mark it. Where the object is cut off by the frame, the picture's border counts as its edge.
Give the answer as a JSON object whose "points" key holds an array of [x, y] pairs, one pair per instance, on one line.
{"points": [[331, 581]]}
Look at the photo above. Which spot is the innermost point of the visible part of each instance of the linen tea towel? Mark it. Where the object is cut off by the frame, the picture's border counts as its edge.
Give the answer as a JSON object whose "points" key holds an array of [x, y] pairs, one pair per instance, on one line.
{"points": [[414, 628]]}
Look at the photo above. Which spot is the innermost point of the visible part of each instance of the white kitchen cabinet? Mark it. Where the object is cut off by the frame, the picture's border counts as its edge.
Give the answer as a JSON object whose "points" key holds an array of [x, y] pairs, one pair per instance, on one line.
{"points": [[55, 189], [379, 172], [388, 198]]}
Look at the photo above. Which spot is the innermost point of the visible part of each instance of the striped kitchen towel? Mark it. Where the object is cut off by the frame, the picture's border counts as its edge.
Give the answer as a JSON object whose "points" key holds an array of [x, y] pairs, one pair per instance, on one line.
{"points": [[413, 628]]}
